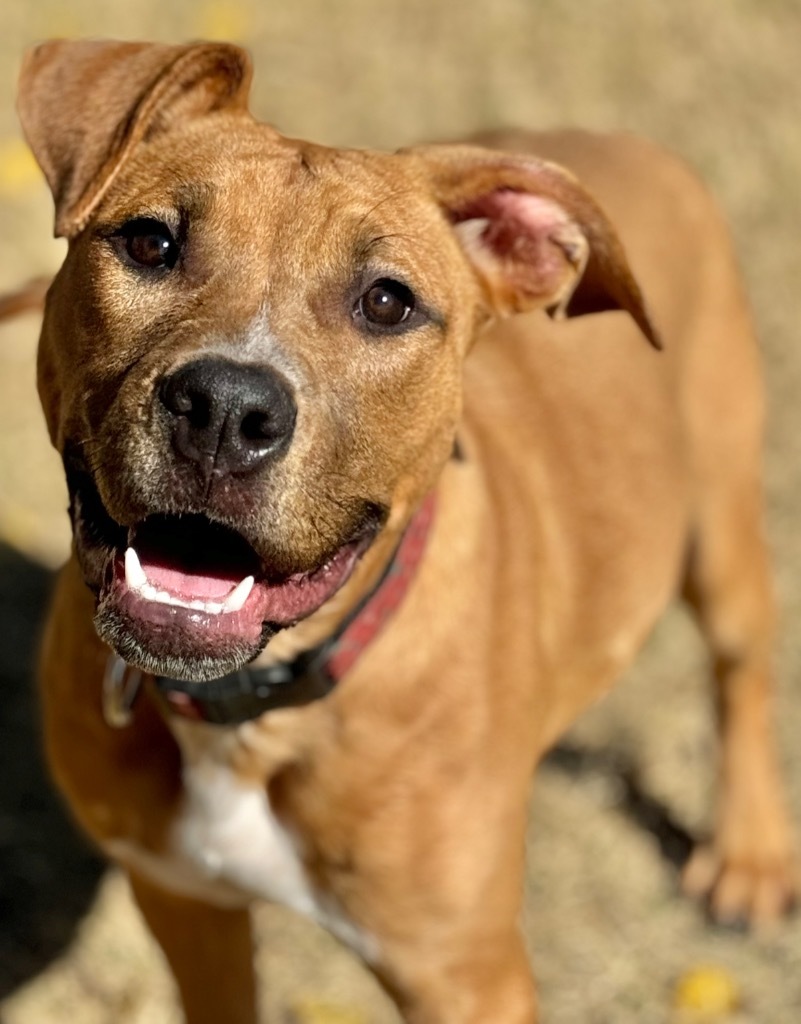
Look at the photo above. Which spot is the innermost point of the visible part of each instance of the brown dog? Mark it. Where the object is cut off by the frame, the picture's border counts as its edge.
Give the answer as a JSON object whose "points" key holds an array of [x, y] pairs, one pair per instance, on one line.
{"points": [[254, 364]]}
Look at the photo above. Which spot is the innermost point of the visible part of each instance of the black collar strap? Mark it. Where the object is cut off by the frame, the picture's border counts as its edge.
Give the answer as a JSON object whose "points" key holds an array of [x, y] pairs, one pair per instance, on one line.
{"points": [[254, 690]]}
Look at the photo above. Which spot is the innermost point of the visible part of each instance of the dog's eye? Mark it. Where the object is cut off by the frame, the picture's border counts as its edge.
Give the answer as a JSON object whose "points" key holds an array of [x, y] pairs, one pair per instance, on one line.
{"points": [[148, 243], [386, 303]]}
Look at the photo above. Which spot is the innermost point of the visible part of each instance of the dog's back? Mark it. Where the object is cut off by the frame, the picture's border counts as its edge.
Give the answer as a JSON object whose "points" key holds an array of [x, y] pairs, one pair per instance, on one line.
{"points": [[612, 455]]}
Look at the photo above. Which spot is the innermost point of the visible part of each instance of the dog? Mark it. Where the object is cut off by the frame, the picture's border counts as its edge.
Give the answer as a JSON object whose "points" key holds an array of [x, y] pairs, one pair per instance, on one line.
{"points": [[359, 530]]}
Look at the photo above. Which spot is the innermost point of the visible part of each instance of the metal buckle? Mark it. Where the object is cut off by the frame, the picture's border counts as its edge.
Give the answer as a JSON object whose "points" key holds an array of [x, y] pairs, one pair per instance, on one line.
{"points": [[121, 684]]}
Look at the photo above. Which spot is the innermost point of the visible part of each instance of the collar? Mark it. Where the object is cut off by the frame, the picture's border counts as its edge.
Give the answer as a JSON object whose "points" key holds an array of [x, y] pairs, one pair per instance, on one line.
{"points": [[254, 690]]}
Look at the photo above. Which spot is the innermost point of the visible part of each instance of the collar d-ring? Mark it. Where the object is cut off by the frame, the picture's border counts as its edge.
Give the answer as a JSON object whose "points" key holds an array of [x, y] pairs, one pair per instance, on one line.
{"points": [[121, 684]]}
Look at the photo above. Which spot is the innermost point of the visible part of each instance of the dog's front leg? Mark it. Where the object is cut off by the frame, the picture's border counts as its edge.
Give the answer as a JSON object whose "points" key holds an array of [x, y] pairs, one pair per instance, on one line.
{"points": [[748, 872], [435, 892], [210, 953], [488, 980]]}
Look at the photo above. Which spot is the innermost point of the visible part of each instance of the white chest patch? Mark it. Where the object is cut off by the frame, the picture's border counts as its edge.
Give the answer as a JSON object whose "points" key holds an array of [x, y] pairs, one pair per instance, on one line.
{"points": [[228, 848], [228, 832]]}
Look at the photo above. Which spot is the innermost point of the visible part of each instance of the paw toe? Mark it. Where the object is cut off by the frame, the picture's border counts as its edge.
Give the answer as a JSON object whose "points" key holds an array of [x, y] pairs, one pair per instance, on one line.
{"points": [[742, 893]]}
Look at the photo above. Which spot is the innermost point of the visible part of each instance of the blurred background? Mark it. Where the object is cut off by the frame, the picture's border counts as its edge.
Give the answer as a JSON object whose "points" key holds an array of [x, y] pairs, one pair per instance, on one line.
{"points": [[616, 806]]}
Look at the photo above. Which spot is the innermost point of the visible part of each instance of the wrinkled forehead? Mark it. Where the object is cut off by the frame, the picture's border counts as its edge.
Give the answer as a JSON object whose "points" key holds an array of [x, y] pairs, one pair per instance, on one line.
{"points": [[279, 198]]}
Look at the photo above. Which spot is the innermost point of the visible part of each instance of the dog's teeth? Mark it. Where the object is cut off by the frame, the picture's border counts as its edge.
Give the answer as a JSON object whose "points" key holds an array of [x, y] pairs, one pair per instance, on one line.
{"points": [[134, 573], [235, 601], [137, 580]]}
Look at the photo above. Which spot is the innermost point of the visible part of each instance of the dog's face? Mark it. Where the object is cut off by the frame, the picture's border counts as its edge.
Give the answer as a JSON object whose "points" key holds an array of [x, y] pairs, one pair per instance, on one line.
{"points": [[261, 374], [251, 356]]}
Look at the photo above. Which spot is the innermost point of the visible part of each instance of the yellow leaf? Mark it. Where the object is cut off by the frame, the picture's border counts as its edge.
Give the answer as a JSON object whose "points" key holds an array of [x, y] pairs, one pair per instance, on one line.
{"points": [[710, 991], [18, 170], [312, 1012], [223, 21]]}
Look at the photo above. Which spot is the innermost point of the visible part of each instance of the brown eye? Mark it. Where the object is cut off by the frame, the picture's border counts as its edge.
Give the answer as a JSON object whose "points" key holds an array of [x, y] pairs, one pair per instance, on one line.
{"points": [[386, 303], [148, 243]]}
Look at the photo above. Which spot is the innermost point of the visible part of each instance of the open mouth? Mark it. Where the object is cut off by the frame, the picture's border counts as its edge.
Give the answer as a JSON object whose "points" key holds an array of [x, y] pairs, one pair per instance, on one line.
{"points": [[180, 568], [191, 599], [184, 596]]}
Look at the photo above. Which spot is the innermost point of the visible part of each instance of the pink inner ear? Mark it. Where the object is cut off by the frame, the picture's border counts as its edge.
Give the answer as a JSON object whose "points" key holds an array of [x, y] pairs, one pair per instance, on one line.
{"points": [[527, 248], [520, 225]]}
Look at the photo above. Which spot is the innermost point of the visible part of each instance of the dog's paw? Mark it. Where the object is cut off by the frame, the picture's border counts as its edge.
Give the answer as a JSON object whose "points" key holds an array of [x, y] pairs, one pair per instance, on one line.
{"points": [[752, 888]]}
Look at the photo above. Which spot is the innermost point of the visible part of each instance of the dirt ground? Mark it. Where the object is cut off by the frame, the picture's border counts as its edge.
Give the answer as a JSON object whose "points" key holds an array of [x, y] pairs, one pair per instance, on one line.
{"points": [[619, 802]]}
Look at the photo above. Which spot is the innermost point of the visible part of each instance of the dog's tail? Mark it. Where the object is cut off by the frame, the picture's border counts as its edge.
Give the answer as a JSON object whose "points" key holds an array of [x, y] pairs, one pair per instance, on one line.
{"points": [[27, 299]]}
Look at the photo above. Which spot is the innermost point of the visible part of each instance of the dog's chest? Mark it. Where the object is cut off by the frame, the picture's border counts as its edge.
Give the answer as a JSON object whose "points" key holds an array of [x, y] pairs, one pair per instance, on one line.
{"points": [[227, 847], [228, 832]]}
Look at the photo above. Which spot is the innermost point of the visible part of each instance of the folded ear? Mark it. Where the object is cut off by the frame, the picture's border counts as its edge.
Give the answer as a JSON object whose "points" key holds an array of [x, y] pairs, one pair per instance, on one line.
{"points": [[84, 106], [535, 237]]}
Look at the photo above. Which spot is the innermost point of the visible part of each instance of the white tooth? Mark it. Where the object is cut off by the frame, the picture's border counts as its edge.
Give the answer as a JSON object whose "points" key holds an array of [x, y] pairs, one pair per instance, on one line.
{"points": [[149, 592], [213, 608], [134, 573], [199, 606], [235, 601]]}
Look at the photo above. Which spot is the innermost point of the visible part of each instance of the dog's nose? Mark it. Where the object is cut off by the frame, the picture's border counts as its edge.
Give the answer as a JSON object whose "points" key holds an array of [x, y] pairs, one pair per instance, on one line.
{"points": [[228, 417]]}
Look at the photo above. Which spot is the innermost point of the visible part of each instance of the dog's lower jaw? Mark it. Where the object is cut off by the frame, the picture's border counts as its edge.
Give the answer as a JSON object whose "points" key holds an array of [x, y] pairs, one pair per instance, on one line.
{"points": [[169, 660], [171, 633]]}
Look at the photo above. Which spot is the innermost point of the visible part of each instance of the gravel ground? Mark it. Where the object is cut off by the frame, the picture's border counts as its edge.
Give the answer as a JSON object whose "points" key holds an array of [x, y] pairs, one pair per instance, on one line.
{"points": [[616, 807]]}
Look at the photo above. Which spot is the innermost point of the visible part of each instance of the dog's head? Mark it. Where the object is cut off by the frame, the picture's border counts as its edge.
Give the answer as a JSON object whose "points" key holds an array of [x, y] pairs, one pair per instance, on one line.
{"points": [[251, 356]]}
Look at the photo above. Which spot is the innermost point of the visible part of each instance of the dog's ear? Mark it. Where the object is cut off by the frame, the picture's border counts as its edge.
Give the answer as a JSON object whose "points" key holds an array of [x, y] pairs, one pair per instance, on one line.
{"points": [[534, 236], [84, 106]]}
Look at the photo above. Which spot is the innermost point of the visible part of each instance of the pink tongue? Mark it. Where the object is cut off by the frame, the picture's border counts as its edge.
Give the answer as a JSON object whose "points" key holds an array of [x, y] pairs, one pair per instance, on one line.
{"points": [[190, 585]]}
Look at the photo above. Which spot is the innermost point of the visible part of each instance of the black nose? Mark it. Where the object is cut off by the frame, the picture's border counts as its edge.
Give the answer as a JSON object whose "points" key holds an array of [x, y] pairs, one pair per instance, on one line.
{"points": [[228, 417]]}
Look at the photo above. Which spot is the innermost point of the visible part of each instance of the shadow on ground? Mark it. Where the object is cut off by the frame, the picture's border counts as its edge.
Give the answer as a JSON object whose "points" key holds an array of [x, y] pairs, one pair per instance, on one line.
{"points": [[642, 809], [47, 874]]}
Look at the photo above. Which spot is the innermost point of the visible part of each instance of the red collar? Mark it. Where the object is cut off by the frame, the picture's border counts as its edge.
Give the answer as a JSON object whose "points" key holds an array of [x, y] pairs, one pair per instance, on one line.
{"points": [[370, 617]]}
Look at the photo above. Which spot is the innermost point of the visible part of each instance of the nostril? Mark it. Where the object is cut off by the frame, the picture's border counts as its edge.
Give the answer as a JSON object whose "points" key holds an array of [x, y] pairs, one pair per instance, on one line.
{"points": [[258, 426], [185, 401], [196, 408]]}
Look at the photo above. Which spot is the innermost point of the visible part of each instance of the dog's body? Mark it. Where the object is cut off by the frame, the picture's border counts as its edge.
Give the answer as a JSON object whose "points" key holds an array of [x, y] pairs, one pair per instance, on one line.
{"points": [[594, 479]]}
